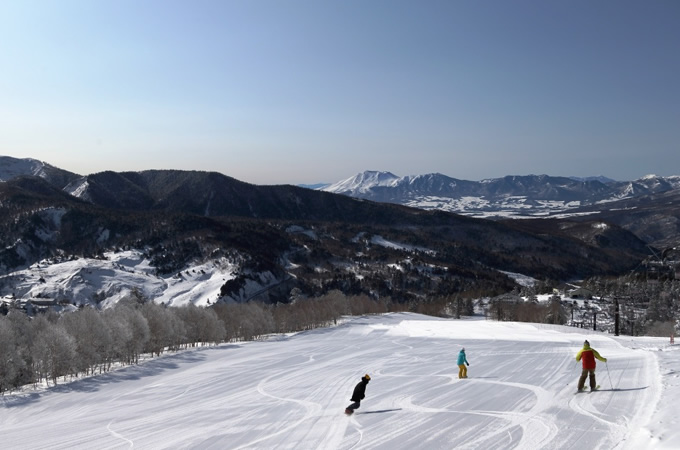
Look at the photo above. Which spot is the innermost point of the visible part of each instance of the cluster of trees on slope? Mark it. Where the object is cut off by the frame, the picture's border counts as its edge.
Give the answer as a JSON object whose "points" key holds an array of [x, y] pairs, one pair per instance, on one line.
{"points": [[89, 341], [646, 306], [552, 312]]}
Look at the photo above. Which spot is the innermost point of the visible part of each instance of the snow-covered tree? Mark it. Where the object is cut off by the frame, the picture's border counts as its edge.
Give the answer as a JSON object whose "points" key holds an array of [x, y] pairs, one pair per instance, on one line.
{"points": [[54, 350]]}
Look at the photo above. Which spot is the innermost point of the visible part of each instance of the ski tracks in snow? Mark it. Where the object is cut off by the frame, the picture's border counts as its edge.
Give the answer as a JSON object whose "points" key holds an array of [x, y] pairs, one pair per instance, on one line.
{"points": [[617, 411], [263, 395], [311, 409], [316, 429], [537, 430], [118, 435]]}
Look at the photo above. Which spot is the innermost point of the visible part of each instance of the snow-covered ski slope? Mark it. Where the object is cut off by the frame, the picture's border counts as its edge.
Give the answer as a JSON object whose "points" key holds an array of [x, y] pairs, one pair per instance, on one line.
{"points": [[289, 392]]}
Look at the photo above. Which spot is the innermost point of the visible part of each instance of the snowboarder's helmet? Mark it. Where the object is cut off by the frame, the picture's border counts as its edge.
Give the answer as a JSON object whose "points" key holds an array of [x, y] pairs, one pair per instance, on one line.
{"points": [[367, 378]]}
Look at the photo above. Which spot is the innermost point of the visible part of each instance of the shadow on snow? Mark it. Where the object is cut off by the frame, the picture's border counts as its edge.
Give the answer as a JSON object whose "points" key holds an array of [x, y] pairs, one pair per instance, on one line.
{"points": [[379, 411], [622, 389], [93, 383]]}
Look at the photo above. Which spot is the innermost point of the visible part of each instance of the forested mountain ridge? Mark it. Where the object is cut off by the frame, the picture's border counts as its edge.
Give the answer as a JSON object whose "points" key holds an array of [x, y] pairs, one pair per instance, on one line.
{"points": [[11, 168], [304, 239]]}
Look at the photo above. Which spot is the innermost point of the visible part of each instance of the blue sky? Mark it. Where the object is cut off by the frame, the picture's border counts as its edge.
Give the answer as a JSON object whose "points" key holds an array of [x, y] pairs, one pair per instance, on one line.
{"points": [[292, 91]]}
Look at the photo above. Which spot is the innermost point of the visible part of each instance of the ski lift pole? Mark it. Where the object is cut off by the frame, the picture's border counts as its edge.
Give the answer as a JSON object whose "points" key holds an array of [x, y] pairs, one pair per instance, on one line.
{"points": [[609, 375]]}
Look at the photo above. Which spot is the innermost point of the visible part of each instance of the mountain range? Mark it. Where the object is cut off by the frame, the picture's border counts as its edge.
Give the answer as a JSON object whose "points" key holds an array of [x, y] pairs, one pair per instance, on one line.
{"points": [[509, 196], [283, 238], [648, 206]]}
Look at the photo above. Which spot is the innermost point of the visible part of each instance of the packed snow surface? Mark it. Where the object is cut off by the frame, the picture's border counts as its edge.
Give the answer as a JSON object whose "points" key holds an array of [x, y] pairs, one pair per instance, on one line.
{"points": [[289, 392]]}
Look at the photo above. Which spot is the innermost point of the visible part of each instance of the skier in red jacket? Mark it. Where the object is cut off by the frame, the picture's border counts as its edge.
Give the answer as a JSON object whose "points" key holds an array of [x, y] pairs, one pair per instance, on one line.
{"points": [[588, 355]]}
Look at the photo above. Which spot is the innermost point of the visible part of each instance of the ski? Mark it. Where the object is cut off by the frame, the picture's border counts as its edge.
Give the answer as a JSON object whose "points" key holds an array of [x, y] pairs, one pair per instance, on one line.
{"points": [[597, 388]]}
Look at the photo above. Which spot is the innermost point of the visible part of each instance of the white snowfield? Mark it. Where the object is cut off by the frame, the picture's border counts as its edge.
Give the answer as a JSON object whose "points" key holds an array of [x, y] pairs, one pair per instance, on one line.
{"points": [[290, 392]]}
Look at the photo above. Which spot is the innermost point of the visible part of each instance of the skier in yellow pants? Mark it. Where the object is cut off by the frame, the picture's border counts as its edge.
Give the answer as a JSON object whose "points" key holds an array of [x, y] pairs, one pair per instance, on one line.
{"points": [[462, 361]]}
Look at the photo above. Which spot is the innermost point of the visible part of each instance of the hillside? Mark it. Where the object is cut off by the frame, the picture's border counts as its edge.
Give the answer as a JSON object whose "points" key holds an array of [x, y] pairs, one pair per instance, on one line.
{"points": [[655, 218], [113, 277], [397, 252], [212, 194], [290, 392], [279, 238], [11, 168]]}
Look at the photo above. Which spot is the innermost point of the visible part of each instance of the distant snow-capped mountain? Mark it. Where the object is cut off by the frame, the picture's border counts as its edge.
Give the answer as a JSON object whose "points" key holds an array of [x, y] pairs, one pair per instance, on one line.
{"points": [[362, 183], [513, 196]]}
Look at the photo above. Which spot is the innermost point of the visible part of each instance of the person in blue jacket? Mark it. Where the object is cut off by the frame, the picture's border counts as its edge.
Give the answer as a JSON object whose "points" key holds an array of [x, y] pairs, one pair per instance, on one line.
{"points": [[462, 361]]}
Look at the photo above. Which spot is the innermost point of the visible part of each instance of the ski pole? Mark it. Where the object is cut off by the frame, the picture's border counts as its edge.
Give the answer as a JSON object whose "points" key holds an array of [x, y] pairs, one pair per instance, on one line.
{"points": [[610, 377]]}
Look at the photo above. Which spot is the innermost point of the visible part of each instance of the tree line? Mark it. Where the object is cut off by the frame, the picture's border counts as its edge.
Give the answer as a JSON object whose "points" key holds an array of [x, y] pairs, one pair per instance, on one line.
{"points": [[645, 306], [87, 341]]}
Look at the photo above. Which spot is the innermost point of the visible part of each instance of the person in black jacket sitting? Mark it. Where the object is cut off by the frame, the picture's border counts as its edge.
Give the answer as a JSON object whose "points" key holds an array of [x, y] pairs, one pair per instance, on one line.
{"points": [[358, 394]]}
